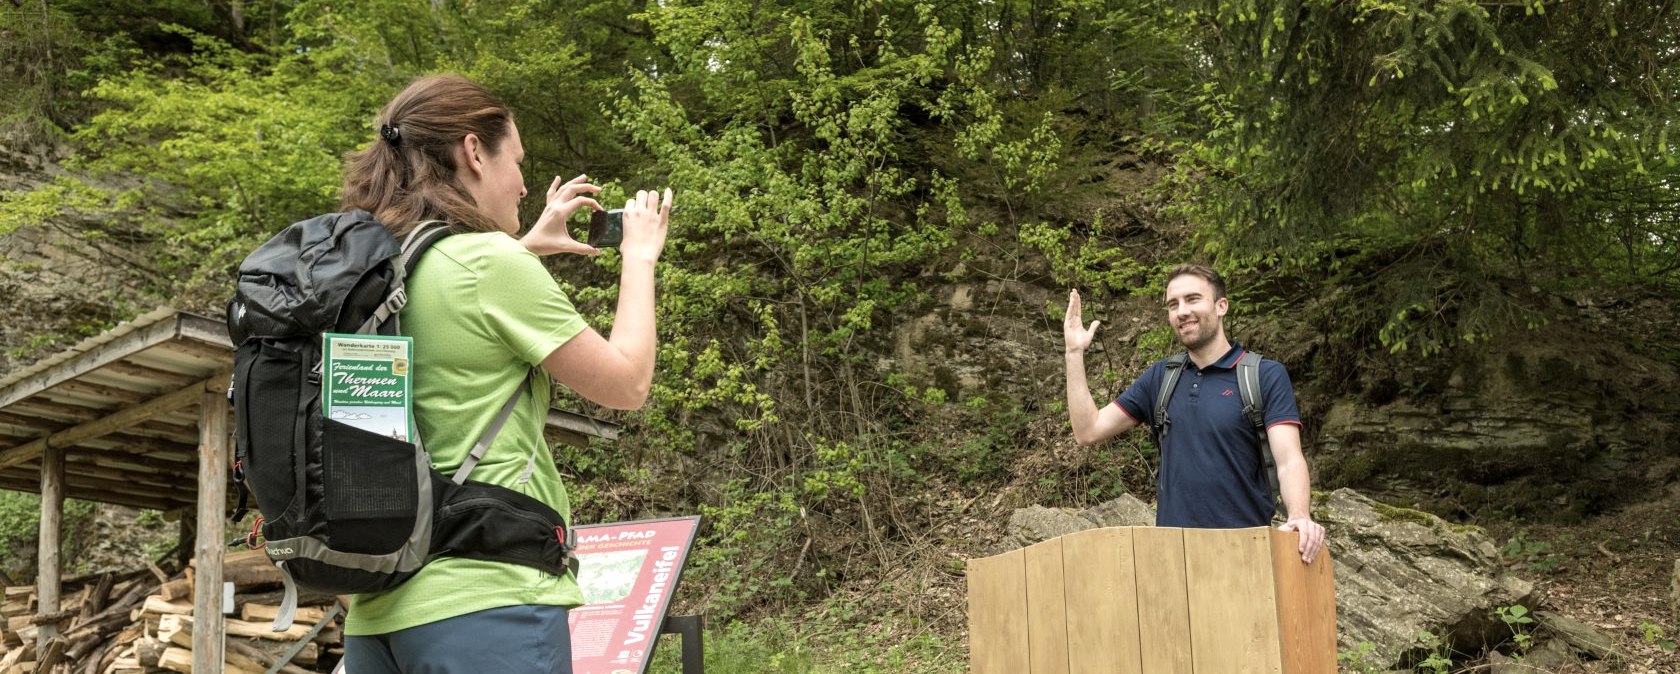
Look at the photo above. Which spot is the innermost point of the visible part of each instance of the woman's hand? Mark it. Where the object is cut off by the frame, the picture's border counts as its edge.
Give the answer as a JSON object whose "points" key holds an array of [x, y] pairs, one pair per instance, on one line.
{"points": [[550, 235], [646, 220]]}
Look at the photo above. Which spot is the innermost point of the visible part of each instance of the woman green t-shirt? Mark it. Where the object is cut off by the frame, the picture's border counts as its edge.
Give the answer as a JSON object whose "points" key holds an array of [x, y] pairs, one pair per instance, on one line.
{"points": [[482, 311]]}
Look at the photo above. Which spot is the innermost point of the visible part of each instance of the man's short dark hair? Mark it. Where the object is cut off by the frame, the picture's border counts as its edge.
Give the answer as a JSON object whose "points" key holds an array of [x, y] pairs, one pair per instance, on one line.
{"points": [[1205, 273]]}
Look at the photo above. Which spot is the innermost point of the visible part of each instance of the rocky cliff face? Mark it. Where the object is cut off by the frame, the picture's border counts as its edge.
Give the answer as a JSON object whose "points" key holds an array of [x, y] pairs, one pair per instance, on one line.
{"points": [[57, 284], [1551, 425]]}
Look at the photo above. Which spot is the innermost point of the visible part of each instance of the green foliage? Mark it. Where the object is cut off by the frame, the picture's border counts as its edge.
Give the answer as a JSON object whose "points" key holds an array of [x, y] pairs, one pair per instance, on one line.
{"points": [[1362, 659], [20, 519], [1515, 617], [785, 645], [1437, 654], [1457, 140], [1533, 555], [1440, 166], [1653, 634]]}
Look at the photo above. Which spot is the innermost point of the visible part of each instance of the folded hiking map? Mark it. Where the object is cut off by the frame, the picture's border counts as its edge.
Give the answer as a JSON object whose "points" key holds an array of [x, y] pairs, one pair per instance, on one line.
{"points": [[366, 383]]}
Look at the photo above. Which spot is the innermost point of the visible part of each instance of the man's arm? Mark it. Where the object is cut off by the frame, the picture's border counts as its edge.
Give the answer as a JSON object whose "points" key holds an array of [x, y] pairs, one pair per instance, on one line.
{"points": [[1296, 485], [1089, 423]]}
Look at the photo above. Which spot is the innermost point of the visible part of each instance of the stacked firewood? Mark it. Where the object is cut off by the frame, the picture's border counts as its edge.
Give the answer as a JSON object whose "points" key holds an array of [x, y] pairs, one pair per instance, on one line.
{"points": [[141, 623]]}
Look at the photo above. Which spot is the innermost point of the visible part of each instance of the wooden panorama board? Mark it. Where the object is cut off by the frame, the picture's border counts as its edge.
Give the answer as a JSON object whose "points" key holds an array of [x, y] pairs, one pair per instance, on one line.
{"points": [[1163, 600], [1131, 600], [1233, 602], [997, 598], [1047, 616], [1306, 606], [1102, 605]]}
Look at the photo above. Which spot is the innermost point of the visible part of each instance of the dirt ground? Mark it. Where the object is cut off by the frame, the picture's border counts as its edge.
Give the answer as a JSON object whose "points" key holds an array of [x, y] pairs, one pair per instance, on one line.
{"points": [[1612, 572]]}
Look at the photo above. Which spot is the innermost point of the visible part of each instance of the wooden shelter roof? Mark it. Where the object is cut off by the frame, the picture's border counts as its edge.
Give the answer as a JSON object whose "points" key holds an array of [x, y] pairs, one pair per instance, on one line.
{"points": [[124, 407]]}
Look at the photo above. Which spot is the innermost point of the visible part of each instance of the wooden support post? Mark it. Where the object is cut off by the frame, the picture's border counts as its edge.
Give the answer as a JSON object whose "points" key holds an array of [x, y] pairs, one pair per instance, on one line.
{"points": [[212, 538], [52, 517]]}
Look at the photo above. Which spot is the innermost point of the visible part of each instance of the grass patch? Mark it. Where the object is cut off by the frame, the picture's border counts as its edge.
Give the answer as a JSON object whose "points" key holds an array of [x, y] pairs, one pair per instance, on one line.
{"points": [[815, 645]]}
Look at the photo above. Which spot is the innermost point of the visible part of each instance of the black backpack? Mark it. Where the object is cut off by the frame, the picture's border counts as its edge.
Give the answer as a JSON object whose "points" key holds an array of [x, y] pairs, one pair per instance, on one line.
{"points": [[1254, 410], [344, 510]]}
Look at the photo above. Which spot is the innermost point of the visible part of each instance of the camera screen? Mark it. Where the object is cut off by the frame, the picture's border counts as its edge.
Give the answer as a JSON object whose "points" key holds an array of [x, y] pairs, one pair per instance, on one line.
{"points": [[606, 228]]}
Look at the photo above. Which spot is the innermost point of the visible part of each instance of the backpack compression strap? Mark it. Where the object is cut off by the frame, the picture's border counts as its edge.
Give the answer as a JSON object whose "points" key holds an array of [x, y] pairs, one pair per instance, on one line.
{"points": [[1254, 410]]}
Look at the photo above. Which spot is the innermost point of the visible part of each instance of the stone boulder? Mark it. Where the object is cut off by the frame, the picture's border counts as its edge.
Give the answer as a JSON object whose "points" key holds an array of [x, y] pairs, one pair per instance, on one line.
{"points": [[1579, 636], [1036, 523], [1400, 571]]}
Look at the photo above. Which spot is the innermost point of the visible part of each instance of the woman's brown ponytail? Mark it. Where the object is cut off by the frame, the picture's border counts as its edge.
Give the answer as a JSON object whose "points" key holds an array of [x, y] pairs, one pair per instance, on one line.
{"points": [[407, 175]]}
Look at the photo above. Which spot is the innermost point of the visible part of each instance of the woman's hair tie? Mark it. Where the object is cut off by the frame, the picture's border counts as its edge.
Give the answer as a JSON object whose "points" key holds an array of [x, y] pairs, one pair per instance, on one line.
{"points": [[390, 133]]}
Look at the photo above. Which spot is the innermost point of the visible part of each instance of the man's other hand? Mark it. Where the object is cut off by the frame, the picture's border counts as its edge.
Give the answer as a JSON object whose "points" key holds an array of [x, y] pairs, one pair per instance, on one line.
{"points": [[1312, 536]]}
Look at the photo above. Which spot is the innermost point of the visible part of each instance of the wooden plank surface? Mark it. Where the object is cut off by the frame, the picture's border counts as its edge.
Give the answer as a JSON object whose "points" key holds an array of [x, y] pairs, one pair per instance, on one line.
{"points": [[1233, 604], [1046, 609], [997, 609], [1163, 600], [1102, 610], [1306, 605]]}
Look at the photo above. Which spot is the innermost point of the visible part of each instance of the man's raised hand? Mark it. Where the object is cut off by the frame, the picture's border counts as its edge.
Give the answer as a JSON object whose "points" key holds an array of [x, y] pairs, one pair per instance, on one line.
{"points": [[1073, 326]]}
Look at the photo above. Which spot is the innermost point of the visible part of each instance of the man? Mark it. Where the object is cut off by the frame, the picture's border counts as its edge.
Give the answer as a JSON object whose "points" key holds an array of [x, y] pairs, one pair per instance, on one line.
{"points": [[1211, 470]]}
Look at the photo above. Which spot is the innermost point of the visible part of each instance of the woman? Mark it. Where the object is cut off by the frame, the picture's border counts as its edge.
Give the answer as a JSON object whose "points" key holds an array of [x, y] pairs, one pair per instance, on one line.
{"points": [[483, 311]]}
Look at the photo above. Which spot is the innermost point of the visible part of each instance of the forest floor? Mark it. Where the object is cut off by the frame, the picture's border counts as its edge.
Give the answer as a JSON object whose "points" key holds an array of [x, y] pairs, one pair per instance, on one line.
{"points": [[1612, 572]]}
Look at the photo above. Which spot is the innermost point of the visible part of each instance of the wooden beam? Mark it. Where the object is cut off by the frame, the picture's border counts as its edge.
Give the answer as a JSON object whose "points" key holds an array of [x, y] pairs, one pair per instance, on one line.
{"points": [[155, 433], [181, 349], [141, 462], [583, 425], [207, 330], [52, 517], [122, 443], [212, 532], [101, 355], [76, 388], [187, 395], [88, 488], [154, 485], [35, 423], [46, 416], [55, 412], [129, 370], [31, 487]]}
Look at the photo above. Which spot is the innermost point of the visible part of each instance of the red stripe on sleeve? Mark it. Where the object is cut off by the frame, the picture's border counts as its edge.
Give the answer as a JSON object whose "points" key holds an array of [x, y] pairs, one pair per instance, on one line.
{"points": [[1128, 414]]}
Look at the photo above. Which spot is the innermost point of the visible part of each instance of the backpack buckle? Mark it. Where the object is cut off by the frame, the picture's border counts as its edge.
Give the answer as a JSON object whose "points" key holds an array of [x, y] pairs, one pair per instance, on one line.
{"points": [[397, 300]]}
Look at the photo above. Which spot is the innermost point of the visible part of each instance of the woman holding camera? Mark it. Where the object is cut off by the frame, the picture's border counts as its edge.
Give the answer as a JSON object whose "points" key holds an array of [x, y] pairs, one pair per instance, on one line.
{"points": [[483, 311]]}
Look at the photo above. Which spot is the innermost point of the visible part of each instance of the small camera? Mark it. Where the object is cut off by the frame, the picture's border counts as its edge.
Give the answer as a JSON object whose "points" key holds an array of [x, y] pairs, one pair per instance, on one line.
{"points": [[606, 228]]}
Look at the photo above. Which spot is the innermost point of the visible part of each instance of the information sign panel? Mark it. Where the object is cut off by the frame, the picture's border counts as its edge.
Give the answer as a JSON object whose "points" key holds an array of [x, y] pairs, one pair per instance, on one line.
{"points": [[628, 571]]}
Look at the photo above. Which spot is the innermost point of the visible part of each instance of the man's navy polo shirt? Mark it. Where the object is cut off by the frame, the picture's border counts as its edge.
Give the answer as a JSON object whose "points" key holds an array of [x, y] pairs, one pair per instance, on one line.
{"points": [[1211, 473]]}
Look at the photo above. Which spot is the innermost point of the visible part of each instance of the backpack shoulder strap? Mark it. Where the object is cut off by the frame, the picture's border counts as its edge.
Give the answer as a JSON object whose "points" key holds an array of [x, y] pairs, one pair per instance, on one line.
{"points": [[1169, 381], [416, 243], [480, 448], [1254, 410], [1248, 385], [419, 241]]}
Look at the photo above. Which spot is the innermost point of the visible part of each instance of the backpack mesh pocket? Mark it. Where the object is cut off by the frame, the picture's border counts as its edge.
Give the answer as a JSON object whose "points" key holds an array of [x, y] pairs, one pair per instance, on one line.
{"points": [[372, 489]]}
